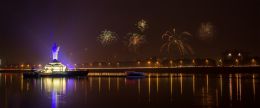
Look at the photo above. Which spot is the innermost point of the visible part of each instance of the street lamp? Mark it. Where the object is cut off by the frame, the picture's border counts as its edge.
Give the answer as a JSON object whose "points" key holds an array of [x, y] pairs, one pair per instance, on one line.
{"points": [[207, 62], [229, 54], [253, 61], [239, 55], [28, 66], [99, 64], [118, 64], [193, 61], [237, 62], [22, 65], [138, 62], [40, 65], [181, 62], [220, 62], [90, 64]]}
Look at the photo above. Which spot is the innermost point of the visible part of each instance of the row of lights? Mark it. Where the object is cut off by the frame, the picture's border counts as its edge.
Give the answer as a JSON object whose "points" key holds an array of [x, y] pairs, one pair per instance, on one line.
{"points": [[253, 61], [28, 66], [230, 55]]}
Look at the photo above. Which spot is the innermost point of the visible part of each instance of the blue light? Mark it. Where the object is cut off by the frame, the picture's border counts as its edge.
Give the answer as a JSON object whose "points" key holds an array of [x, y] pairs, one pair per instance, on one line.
{"points": [[55, 51], [54, 100]]}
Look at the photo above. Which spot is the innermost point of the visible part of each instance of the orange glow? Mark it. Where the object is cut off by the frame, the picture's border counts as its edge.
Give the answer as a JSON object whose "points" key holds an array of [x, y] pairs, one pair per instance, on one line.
{"points": [[99, 64], [207, 61], [138, 62], [171, 62], [253, 61], [193, 61]]}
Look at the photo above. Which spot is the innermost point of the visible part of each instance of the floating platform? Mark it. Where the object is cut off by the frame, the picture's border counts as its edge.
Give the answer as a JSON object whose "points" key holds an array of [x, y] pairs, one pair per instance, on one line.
{"points": [[56, 74]]}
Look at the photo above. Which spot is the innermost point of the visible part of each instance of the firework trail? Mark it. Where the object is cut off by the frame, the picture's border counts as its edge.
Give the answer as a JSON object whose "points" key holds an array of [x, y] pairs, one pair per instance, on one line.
{"points": [[206, 31], [142, 25], [107, 37], [172, 39], [135, 40]]}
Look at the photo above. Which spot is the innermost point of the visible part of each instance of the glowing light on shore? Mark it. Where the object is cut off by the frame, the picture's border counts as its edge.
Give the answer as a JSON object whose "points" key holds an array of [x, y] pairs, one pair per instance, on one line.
{"points": [[207, 62], [229, 54], [239, 54], [253, 61], [181, 62], [40, 65], [149, 62], [193, 61], [138, 62], [107, 37], [171, 62]]}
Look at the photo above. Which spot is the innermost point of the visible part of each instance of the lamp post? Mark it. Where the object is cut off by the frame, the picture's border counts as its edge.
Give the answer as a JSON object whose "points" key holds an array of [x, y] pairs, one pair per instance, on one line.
{"points": [[193, 62], [207, 62], [171, 62], [253, 62], [138, 63], [237, 62], [181, 62], [220, 62]]}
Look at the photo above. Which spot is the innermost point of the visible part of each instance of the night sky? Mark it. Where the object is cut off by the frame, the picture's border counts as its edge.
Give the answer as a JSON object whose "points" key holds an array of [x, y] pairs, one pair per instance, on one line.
{"points": [[28, 28]]}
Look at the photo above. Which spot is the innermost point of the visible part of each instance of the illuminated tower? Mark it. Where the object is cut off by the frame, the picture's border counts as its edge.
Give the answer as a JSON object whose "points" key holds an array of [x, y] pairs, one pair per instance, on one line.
{"points": [[55, 52], [55, 66]]}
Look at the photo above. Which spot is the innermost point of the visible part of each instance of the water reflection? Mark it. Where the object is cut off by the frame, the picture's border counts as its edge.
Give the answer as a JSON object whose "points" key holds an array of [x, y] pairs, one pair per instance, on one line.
{"points": [[54, 84], [253, 85], [210, 90]]}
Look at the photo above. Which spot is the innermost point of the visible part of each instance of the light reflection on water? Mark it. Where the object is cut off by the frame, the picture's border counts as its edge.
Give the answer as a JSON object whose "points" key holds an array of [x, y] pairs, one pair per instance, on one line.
{"points": [[181, 90]]}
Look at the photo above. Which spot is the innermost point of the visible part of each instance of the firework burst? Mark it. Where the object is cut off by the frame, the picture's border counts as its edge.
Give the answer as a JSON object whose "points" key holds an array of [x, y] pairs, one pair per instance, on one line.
{"points": [[206, 31], [172, 39], [135, 40], [142, 25], [107, 37]]}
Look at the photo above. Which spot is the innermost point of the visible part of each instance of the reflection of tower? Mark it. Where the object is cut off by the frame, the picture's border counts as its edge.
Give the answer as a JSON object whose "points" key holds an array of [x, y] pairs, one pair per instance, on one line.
{"points": [[55, 52]]}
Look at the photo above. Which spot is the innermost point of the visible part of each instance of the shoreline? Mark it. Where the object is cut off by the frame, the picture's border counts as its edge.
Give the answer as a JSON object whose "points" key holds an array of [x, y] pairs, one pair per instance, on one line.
{"points": [[240, 69]]}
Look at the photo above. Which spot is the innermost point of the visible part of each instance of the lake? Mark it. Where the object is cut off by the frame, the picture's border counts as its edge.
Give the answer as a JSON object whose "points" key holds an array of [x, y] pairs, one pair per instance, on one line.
{"points": [[153, 91]]}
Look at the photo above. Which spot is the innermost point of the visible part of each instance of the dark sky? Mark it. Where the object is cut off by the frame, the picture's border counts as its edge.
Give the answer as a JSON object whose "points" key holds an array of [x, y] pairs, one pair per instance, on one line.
{"points": [[28, 28]]}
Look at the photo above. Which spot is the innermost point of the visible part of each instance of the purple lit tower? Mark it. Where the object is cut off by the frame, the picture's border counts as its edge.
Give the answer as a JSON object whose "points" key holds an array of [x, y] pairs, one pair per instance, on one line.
{"points": [[55, 66], [55, 52]]}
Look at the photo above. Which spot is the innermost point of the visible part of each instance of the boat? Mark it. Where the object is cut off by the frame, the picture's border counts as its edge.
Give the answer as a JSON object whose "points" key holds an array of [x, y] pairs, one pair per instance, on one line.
{"points": [[55, 68], [36, 74], [134, 74]]}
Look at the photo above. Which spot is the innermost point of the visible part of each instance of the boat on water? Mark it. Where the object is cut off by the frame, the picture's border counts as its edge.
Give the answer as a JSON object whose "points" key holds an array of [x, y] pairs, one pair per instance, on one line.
{"points": [[36, 74], [134, 74]]}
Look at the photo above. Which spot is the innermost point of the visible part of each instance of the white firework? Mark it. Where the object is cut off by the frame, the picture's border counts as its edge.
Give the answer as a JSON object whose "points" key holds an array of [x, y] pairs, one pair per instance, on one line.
{"points": [[107, 37]]}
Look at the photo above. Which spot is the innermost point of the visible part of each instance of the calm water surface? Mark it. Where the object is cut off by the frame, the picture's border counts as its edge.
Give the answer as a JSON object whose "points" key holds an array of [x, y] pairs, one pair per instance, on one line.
{"points": [[175, 90]]}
